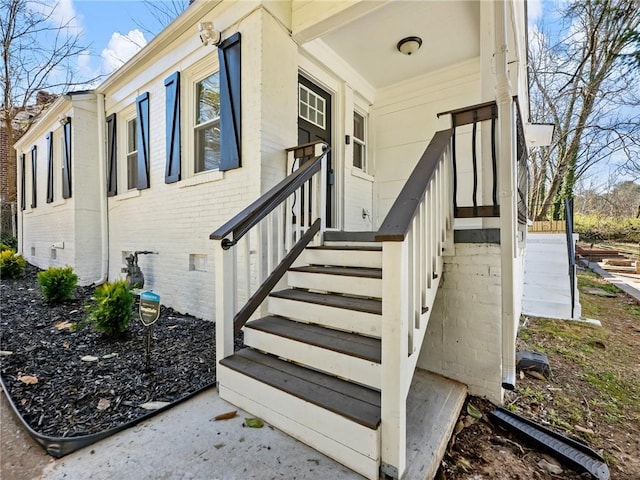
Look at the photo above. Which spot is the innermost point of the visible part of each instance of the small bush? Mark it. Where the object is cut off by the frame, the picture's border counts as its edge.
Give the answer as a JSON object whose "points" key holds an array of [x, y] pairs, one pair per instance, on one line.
{"points": [[4, 247], [57, 284], [113, 309], [11, 264]]}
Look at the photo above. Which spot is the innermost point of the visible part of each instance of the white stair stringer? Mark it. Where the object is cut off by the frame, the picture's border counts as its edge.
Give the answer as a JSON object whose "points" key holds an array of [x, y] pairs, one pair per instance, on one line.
{"points": [[347, 442]]}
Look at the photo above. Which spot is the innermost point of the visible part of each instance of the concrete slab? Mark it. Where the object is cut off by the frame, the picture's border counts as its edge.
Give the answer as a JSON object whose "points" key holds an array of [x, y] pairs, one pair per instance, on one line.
{"points": [[185, 443], [629, 283]]}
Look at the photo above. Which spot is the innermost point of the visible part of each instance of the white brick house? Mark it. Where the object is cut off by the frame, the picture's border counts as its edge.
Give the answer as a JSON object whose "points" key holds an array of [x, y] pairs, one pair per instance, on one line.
{"points": [[188, 134]]}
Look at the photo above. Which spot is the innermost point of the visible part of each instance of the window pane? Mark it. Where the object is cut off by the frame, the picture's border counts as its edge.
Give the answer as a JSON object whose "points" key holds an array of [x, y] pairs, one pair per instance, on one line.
{"points": [[358, 126], [132, 170], [303, 95], [208, 148], [358, 155], [208, 99], [131, 135]]}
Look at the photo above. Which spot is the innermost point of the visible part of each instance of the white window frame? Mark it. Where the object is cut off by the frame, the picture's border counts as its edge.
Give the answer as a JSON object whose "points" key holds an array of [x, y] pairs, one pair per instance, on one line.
{"points": [[124, 117], [131, 155], [363, 142], [200, 70], [201, 126], [311, 108]]}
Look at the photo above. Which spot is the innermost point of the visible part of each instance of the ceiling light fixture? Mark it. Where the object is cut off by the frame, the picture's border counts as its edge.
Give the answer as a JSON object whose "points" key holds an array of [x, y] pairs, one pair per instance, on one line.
{"points": [[409, 45]]}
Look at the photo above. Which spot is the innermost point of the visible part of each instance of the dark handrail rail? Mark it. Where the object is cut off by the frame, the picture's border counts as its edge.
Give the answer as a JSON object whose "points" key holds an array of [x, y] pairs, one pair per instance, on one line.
{"points": [[274, 277], [250, 216], [396, 224], [571, 252]]}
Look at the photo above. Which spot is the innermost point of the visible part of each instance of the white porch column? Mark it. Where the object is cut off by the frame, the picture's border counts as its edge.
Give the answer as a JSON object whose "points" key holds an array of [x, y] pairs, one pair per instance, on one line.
{"points": [[507, 186]]}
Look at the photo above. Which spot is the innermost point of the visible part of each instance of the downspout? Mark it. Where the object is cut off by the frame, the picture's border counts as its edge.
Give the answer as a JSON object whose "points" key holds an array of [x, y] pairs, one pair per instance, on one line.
{"points": [[507, 197], [104, 206]]}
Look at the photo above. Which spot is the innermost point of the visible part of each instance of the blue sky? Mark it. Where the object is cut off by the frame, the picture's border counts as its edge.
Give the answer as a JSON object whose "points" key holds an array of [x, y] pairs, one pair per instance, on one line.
{"points": [[112, 30]]}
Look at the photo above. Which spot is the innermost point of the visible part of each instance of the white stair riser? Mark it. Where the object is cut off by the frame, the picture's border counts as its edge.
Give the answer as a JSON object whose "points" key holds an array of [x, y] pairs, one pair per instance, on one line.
{"points": [[537, 308], [338, 364], [358, 448], [347, 320], [547, 294], [366, 287], [343, 258], [347, 244]]}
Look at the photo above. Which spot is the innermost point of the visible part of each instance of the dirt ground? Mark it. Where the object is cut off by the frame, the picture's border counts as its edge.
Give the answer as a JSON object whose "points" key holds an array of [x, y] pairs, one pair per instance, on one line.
{"points": [[593, 396]]}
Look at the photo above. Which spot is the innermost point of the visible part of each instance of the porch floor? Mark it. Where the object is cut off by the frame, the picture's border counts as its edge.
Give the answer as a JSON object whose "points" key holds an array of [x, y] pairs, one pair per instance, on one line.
{"points": [[185, 442]]}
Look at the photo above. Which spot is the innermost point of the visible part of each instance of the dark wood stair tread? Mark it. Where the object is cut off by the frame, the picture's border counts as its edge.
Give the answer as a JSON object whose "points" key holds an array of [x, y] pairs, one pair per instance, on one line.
{"points": [[351, 248], [347, 343], [355, 402], [342, 236], [367, 305], [361, 272]]}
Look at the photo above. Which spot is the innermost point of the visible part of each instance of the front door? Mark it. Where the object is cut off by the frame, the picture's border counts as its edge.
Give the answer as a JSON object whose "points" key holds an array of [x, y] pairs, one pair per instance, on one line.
{"points": [[314, 123]]}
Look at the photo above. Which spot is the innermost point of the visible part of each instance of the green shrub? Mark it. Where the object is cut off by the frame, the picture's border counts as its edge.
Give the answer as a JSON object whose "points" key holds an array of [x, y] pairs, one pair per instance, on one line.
{"points": [[11, 264], [4, 247], [113, 309], [57, 284], [594, 228]]}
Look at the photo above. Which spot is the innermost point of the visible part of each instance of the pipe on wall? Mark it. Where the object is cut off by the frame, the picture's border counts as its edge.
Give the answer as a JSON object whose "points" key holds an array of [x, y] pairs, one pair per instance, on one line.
{"points": [[507, 197], [104, 206]]}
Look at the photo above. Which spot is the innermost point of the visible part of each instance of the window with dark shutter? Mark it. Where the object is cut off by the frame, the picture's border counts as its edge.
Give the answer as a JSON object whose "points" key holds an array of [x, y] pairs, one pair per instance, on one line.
{"points": [[172, 134], [230, 115], [66, 159], [50, 167], [34, 175], [142, 110], [23, 182], [112, 153]]}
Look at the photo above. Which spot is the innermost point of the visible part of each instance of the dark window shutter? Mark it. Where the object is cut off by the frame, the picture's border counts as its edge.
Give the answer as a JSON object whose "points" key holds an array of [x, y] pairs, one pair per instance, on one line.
{"points": [[66, 160], [230, 115], [142, 109], [23, 182], [50, 167], [172, 134], [34, 175], [112, 151]]}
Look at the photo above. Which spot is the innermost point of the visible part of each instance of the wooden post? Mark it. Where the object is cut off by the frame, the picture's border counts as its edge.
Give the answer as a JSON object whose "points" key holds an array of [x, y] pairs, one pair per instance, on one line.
{"points": [[395, 316], [225, 275]]}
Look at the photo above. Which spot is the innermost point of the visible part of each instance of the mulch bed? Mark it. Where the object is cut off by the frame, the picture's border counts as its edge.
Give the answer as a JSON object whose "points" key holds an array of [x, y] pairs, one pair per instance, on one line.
{"points": [[74, 397]]}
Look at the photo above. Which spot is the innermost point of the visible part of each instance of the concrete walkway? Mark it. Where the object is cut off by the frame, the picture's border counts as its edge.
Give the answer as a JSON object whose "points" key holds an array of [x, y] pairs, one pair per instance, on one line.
{"points": [[628, 282], [185, 443]]}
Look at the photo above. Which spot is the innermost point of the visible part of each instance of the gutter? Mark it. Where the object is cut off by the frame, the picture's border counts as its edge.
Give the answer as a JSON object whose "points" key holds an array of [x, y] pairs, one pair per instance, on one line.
{"points": [[508, 220], [104, 206]]}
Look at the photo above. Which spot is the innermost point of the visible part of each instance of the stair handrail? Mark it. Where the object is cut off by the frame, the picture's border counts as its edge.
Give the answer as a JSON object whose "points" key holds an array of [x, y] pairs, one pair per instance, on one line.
{"points": [[396, 224], [286, 220], [415, 235], [571, 251], [240, 224]]}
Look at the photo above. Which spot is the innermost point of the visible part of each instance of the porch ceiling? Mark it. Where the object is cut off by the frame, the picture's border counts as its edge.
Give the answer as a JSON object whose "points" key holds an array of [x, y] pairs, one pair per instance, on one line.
{"points": [[450, 31]]}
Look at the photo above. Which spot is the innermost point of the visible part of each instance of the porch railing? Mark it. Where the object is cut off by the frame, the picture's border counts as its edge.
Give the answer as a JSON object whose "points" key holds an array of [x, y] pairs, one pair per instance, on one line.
{"points": [[571, 252], [467, 160], [414, 235], [257, 246]]}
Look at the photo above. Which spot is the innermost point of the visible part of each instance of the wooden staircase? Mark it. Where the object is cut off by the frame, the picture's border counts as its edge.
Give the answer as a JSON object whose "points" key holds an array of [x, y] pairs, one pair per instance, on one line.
{"points": [[312, 366], [332, 360]]}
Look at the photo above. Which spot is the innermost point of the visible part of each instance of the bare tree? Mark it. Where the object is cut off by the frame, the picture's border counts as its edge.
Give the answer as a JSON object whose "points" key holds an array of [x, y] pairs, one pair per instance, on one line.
{"points": [[161, 14], [585, 80], [37, 55]]}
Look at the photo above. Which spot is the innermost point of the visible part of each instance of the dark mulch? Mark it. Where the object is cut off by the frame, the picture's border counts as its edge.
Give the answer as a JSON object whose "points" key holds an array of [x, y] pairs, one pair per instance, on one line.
{"points": [[64, 402]]}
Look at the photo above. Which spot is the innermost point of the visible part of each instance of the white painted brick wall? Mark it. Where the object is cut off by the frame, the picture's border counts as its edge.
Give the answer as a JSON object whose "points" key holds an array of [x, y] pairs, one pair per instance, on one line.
{"points": [[463, 336], [73, 222]]}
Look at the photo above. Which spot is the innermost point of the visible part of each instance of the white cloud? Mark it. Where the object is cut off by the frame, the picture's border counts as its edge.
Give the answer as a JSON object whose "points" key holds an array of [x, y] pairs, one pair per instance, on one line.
{"points": [[120, 49], [534, 10], [61, 13]]}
